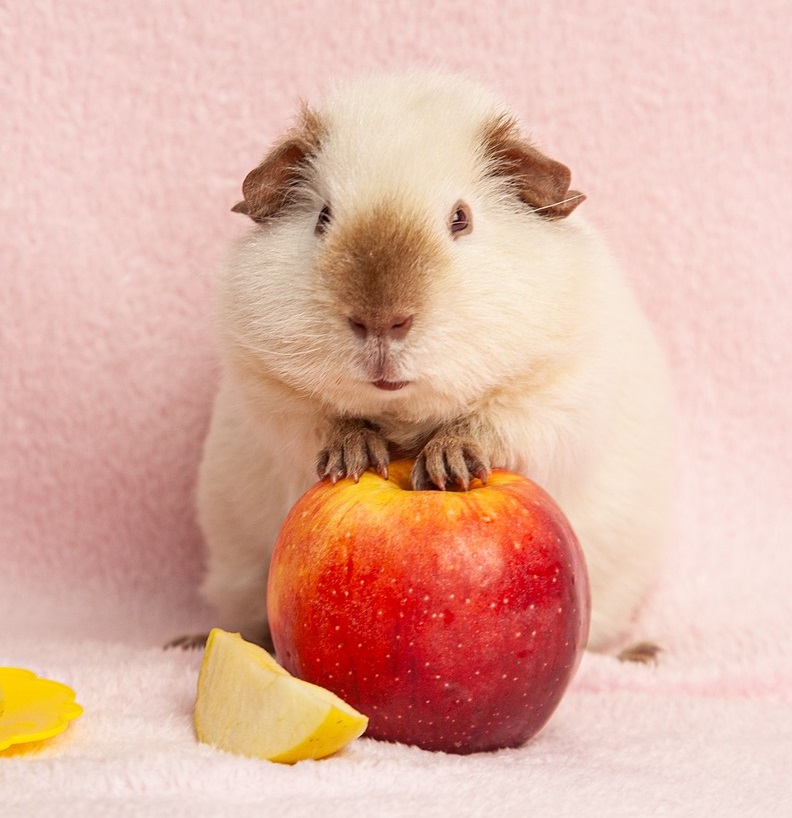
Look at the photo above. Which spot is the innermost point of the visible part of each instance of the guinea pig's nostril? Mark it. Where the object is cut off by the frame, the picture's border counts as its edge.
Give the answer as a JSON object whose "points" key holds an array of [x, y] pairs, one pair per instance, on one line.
{"points": [[400, 327], [358, 327], [394, 329]]}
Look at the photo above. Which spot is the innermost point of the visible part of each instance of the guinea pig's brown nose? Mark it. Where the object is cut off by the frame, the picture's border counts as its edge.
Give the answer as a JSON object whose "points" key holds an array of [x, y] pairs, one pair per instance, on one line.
{"points": [[394, 328]]}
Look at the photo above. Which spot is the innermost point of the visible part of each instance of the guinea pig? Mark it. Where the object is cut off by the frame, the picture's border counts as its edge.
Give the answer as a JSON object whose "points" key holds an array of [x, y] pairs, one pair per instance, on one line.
{"points": [[418, 281]]}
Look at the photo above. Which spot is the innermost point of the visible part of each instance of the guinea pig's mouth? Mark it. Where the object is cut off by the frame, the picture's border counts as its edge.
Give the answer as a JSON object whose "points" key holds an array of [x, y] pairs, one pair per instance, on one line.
{"points": [[390, 386]]}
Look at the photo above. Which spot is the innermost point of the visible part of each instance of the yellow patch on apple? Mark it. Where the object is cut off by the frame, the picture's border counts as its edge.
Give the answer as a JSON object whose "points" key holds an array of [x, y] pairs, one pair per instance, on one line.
{"points": [[248, 704]]}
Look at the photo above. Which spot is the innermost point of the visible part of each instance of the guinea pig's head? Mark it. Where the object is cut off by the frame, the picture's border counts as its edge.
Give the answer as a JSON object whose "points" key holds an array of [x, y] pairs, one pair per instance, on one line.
{"points": [[407, 250]]}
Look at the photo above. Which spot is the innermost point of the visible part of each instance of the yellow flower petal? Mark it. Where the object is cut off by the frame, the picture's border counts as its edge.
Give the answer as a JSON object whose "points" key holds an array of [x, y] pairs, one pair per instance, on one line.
{"points": [[35, 709]]}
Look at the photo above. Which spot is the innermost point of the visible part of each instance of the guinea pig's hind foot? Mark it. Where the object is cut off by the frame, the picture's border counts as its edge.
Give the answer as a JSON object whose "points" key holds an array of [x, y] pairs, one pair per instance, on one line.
{"points": [[194, 641], [191, 641], [644, 653]]}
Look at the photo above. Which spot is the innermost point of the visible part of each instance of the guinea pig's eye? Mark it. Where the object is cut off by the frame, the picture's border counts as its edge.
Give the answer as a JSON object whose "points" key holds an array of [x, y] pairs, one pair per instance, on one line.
{"points": [[461, 221], [323, 220]]}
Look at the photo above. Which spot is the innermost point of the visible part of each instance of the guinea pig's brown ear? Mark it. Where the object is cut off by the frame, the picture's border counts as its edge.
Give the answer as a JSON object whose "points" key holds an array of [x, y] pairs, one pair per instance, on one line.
{"points": [[539, 181], [271, 186]]}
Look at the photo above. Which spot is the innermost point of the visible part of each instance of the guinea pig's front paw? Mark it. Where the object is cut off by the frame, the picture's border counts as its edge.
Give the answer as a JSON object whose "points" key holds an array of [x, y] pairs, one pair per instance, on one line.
{"points": [[451, 458], [353, 446]]}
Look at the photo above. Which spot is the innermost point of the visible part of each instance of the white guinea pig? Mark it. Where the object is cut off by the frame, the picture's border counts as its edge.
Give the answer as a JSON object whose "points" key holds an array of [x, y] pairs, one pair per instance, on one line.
{"points": [[417, 282]]}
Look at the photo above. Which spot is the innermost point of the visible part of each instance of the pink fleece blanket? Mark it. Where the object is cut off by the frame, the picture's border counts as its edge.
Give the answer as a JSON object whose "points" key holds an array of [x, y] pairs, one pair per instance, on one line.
{"points": [[125, 131]]}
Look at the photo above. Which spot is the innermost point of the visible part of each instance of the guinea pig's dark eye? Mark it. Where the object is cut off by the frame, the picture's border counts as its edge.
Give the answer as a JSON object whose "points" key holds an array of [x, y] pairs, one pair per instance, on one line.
{"points": [[461, 221], [323, 220]]}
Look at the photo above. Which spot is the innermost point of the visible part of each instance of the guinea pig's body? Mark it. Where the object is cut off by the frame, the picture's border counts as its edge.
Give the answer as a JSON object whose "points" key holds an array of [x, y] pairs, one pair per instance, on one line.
{"points": [[417, 283]]}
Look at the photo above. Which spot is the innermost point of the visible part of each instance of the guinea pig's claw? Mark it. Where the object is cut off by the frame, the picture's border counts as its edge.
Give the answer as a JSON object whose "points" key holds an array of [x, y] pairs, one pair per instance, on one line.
{"points": [[449, 460], [353, 447]]}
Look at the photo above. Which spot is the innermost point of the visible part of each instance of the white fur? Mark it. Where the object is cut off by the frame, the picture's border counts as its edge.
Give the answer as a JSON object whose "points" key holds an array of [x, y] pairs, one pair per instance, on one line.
{"points": [[530, 330]]}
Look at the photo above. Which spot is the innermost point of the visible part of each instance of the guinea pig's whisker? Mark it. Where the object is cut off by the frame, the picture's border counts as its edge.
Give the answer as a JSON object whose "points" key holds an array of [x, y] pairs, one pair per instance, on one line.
{"points": [[276, 353], [555, 204]]}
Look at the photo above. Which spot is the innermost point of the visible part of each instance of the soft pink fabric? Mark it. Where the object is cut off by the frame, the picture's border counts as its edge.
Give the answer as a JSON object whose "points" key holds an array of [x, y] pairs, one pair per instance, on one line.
{"points": [[125, 131]]}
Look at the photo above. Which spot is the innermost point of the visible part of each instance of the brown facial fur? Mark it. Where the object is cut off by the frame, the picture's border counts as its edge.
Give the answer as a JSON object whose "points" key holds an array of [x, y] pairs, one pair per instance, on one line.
{"points": [[378, 263], [271, 186], [539, 181]]}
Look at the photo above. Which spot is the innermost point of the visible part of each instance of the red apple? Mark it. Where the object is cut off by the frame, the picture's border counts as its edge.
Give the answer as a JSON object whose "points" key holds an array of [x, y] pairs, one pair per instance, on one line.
{"points": [[454, 620]]}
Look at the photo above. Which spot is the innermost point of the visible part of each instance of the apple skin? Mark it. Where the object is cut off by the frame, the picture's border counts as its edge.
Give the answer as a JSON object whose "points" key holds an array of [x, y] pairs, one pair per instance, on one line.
{"points": [[453, 620]]}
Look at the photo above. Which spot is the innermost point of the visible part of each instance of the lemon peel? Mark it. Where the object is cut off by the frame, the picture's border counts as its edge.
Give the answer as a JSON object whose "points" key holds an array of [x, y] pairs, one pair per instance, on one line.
{"points": [[247, 704], [33, 709]]}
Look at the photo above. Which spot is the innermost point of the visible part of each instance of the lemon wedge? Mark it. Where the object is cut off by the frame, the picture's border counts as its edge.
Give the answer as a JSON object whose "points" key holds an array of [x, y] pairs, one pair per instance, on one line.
{"points": [[248, 704]]}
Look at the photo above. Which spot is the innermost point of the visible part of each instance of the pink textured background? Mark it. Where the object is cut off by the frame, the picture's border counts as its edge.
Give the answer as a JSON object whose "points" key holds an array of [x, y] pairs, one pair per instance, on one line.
{"points": [[126, 129]]}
